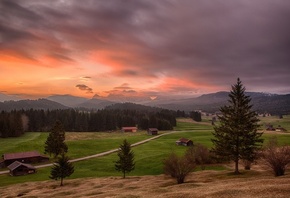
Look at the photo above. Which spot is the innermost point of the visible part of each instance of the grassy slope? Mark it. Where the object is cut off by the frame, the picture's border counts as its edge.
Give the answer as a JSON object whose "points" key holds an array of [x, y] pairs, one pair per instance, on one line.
{"points": [[254, 183], [148, 156]]}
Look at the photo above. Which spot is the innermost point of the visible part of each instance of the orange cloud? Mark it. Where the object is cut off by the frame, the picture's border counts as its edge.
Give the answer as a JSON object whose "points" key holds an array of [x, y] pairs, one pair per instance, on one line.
{"points": [[177, 85], [13, 58]]}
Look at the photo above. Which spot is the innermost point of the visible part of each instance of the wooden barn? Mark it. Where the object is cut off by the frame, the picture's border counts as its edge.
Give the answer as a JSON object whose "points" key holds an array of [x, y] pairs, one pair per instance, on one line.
{"points": [[24, 157], [280, 129], [129, 129], [270, 127], [18, 168], [152, 131], [184, 142]]}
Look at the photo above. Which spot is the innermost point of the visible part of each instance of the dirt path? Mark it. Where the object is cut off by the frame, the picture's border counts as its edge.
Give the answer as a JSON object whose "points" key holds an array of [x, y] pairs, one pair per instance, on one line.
{"points": [[103, 153]]}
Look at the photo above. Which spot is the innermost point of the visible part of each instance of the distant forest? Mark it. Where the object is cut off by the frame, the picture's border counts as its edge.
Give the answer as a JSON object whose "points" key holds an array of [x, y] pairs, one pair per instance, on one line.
{"points": [[15, 123]]}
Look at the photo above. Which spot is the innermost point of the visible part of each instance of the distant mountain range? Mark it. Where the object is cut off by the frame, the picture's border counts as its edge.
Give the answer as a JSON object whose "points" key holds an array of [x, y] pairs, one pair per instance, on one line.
{"points": [[262, 103], [4, 97], [30, 104]]}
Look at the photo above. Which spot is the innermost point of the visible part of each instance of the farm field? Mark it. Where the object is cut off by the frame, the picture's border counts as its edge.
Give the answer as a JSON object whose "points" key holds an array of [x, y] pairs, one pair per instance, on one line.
{"points": [[148, 157]]}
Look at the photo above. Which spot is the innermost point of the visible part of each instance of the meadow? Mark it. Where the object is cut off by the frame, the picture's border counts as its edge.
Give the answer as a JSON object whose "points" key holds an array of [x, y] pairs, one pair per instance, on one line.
{"points": [[148, 156]]}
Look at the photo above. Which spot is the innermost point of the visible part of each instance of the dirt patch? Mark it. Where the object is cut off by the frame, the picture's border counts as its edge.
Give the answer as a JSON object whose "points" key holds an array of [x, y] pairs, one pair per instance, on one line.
{"points": [[189, 120], [71, 136]]}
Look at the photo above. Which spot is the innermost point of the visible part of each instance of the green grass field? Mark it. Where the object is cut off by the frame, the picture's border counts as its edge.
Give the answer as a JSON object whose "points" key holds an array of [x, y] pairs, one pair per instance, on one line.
{"points": [[276, 121], [148, 157]]}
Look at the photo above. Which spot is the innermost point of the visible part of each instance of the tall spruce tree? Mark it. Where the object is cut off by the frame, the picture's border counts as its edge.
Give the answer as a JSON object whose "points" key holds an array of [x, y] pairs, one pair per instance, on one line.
{"points": [[61, 169], [236, 137], [54, 143], [125, 164]]}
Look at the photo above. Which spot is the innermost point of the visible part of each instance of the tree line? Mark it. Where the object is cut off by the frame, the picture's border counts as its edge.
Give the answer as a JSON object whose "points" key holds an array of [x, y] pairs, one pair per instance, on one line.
{"points": [[15, 123]]}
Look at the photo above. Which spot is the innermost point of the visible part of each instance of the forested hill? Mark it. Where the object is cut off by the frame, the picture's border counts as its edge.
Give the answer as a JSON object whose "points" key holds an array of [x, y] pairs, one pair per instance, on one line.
{"points": [[30, 104], [15, 123], [262, 103], [274, 104], [134, 107]]}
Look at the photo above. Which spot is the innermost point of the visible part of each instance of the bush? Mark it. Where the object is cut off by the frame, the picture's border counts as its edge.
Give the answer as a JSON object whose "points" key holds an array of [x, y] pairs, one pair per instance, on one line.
{"points": [[177, 167], [277, 158], [199, 154]]}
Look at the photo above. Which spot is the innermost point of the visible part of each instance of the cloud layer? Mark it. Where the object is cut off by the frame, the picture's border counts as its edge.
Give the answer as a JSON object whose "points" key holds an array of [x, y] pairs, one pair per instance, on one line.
{"points": [[176, 47]]}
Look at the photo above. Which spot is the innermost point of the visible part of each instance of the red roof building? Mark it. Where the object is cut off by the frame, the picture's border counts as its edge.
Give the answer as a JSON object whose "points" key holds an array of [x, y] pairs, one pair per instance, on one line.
{"points": [[24, 157], [129, 129]]}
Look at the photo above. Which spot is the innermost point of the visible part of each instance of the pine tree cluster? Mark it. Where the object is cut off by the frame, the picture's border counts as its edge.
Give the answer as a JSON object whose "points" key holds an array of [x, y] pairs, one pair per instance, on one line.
{"points": [[15, 123]]}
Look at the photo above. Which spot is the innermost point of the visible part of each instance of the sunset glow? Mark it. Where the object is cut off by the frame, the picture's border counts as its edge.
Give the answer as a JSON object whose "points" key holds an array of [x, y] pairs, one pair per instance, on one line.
{"points": [[142, 48]]}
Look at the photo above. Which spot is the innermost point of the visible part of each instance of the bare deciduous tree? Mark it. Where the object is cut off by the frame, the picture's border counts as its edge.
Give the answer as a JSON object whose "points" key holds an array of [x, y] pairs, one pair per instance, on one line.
{"points": [[178, 167], [275, 157]]}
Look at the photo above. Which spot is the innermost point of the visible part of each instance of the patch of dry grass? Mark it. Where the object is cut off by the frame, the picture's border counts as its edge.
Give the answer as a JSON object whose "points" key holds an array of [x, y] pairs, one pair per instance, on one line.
{"points": [[255, 183], [73, 136]]}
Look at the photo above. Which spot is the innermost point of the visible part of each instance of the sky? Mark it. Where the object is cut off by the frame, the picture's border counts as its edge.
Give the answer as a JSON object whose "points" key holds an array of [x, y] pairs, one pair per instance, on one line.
{"points": [[143, 48]]}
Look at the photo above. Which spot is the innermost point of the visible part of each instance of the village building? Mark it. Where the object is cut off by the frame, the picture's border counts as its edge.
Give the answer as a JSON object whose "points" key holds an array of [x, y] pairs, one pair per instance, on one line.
{"points": [[23, 157], [129, 129], [184, 142], [280, 129], [17, 168], [270, 127], [152, 131]]}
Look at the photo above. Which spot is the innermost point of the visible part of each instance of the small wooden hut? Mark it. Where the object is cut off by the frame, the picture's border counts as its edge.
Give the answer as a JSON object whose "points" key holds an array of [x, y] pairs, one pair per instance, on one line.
{"points": [[152, 131], [184, 142], [17, 168]]}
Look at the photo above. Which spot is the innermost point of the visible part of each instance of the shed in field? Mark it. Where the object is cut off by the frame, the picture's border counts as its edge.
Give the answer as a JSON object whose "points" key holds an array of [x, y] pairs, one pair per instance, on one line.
{"points": [[129, 129], [24, 157], [280, 129], [184, 142], [18, 168], [152, 131]]}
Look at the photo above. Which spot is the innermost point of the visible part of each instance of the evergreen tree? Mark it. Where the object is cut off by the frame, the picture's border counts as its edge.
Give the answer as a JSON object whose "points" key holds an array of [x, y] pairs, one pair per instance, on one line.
{"points": [[55, 141], [144, 123], [17, 124], [125, 164], [196, 116], [61, 169], [236, 136]]}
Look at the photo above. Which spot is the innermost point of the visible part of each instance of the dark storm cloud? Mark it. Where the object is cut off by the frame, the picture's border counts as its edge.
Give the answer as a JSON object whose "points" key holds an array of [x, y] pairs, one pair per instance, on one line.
{"points": [[15, 19], [9, 34], [208, 42], [28, 31], [12, 9], [85, 88]]}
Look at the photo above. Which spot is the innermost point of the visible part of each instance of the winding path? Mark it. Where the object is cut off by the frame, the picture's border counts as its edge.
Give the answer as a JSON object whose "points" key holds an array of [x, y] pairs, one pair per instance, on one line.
{"points": [[101, 154]]}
